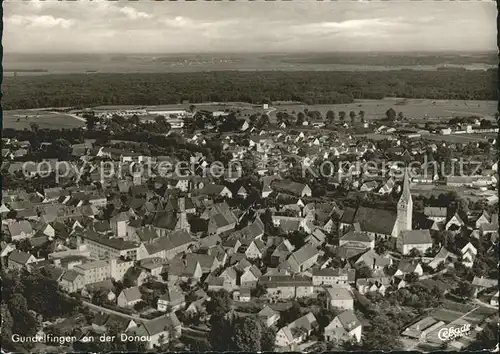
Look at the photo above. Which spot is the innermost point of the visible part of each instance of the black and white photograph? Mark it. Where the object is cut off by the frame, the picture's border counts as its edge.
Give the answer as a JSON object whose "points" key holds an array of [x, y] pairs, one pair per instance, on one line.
{"points": [[249, 176]]}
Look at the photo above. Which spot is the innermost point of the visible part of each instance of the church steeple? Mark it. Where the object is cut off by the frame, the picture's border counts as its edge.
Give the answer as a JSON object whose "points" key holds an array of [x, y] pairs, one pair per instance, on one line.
{"points": [[405, 206], [406, 194]]}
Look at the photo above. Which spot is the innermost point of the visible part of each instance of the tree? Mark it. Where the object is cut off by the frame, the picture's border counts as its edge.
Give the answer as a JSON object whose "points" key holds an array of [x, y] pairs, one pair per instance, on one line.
{"points": [[390, 114], [100, 297], [411, 278], [263, 121], [90, 120], [300, 118], [465, 290], [34, 127], [352, 115], [362, 116], [342, 116], [414, 253], [247, 334], [259, 290], [363, 271], [220, 303], [487, 339], [24, 323], [330, 116]]}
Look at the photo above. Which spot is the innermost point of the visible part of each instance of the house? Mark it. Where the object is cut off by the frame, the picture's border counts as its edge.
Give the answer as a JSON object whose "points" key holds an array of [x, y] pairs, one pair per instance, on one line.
{"points": [[129, 297], [220, 219], [436, 214], [286, 286], [269, 316], [242, 192], [243, 295], [216, 190], [297, 331], [358, 239], [207, 262], [469, 253], [366, 285], [250, 277], [19, 259], [369, 186], [409, 267], [172, 300], [105, 286], [481, 283], [441, 257], [377, 222], [494, 300], [414, 239], [230, 278], [167, 247], [372, 260], [293, 188], [340, 297], [333, 276], [72, 281], [7, 248], [281, 252], [344, 326], [422, 328], [316, 238], [484, 218], [303, 259], [20, 230], [256, 249], [454, 223], [159, 330]]}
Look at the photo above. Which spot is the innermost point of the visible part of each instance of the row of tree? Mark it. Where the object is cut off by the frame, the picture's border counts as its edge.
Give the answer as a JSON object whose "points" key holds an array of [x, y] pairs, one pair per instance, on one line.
{"points": [[310, 87]]}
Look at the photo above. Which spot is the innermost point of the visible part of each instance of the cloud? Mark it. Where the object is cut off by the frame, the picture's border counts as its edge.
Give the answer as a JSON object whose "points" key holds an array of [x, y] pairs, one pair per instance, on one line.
{"points": [[39, 21], [133, 14], [246, 26]]}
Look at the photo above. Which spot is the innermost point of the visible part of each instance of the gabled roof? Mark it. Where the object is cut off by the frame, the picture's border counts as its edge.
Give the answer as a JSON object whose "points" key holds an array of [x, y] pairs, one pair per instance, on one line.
{"points": [[349, 320], [132, 294], [339, 293], [19, 257], [357, 236], [158, 325], [374, 220], [305, 253], [414, 237]]}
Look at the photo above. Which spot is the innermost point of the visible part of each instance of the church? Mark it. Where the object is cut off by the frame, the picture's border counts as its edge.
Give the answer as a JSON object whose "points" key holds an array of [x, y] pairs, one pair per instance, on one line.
{"points": [[381, 223]]}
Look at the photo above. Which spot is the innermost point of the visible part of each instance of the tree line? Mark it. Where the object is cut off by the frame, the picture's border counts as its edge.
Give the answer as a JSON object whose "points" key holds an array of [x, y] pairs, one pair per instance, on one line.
{"points": [[329, 87]]}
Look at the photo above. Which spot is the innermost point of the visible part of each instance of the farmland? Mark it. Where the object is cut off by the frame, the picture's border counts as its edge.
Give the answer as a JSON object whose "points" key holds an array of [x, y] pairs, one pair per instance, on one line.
{"points": [[412, 108], [43, 64], [21, 119]]}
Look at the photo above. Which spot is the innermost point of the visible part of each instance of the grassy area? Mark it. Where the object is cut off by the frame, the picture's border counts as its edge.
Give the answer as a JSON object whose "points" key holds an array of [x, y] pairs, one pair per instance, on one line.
{"points": [[21, 119], [411, 108], [460, 138], [445, 315]]}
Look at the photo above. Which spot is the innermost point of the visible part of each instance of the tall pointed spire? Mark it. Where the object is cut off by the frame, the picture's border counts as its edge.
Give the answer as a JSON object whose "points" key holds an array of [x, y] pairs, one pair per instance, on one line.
{"points": [[406, 186], [405, 206]]}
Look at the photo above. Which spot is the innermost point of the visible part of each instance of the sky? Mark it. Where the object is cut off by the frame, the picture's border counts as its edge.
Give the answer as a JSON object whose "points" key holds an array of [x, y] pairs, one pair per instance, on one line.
{"points": [[243, 26]]}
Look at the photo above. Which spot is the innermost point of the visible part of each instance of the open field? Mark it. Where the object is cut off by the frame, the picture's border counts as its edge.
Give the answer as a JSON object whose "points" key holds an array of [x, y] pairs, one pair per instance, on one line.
{"points": [[411, 108], [42, 64], [460, 138], [446, 315], [21, 119]]}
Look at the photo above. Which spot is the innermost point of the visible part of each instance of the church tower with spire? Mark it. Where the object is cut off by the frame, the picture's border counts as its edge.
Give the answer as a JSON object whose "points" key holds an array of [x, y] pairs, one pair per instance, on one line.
{"points": [[405, 207]]}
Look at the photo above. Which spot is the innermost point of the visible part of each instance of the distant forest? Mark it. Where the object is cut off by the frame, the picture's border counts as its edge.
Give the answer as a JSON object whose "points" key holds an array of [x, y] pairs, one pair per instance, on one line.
{"points": [[392, 59], [312, 87]]}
